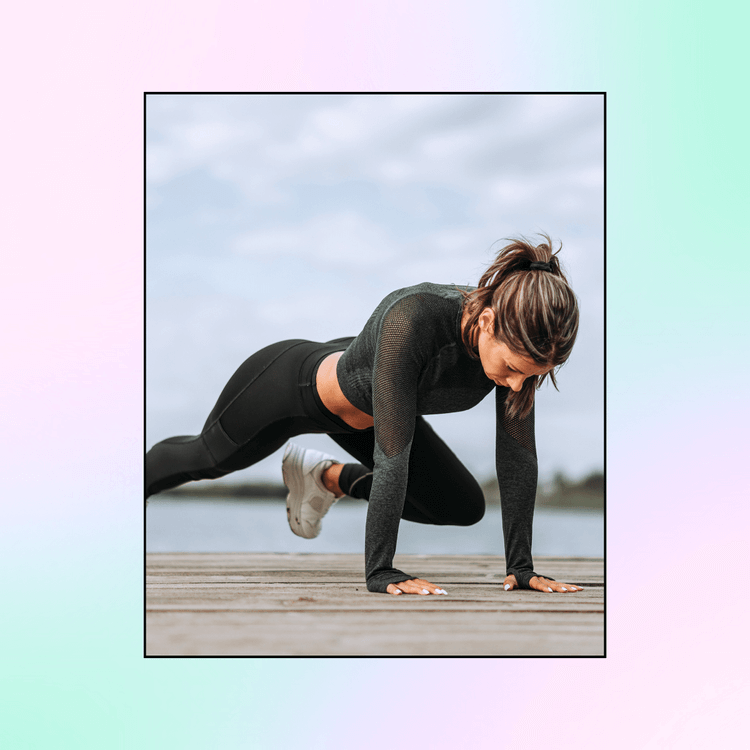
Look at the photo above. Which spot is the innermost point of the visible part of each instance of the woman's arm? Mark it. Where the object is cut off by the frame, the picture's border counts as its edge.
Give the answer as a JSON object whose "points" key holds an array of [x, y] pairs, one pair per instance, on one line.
{"points": [[399, 360], [517, 473]]}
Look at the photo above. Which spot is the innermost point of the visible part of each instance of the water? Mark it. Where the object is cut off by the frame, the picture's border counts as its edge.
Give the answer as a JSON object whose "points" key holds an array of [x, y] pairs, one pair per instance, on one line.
{"points": [[261, 526]]}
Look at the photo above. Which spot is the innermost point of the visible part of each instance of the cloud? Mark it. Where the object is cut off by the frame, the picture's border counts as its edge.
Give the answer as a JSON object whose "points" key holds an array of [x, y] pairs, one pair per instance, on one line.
{"points": [[346, 239], [274, 217], [262, 144]]}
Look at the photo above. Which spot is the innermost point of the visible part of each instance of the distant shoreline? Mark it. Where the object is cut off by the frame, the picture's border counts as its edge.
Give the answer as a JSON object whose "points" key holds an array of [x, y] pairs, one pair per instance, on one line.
{"points": [[589, 493]]}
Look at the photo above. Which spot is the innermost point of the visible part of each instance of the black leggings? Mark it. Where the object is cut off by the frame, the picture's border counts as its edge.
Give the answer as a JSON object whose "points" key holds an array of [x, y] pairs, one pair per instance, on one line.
{"points": [[272, 397]]}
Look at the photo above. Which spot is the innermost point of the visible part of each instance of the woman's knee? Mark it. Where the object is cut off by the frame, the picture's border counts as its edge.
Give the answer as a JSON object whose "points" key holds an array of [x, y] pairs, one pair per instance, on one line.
{"points": [[177, 460], [450, 504], [472, 507]]}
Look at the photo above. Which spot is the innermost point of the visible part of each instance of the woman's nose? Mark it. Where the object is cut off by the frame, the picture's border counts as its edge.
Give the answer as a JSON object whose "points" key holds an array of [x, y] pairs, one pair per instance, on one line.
{"points": [[515, 382]]}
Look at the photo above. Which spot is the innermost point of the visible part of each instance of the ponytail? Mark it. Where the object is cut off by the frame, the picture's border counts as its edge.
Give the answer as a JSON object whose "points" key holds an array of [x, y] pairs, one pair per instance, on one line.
{"points": [[536, 312]]}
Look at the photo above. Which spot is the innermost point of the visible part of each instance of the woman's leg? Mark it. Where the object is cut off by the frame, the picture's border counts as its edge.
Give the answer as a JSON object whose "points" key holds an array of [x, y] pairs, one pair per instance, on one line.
{"points": [[440, 489], [259, 409]]}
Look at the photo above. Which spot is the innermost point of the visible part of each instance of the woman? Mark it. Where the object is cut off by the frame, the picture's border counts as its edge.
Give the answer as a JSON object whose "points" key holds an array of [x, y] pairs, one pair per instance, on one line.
{"points": [[426, 349]]}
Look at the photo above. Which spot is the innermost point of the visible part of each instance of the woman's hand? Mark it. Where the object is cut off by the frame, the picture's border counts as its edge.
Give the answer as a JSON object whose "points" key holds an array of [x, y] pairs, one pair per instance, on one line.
{"points": [[414, 586], [542, 584]]}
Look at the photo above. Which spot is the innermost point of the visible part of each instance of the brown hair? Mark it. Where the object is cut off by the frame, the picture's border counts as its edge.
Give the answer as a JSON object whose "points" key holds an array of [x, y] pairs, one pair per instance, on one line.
{"points": [[536, 312]]}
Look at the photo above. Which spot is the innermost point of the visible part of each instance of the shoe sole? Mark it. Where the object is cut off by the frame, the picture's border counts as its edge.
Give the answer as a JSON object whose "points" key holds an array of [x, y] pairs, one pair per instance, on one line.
{"points": [[295, 487]]}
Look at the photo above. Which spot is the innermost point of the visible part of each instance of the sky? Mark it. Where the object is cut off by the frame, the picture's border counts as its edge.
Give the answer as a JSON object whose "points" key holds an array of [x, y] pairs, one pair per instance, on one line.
{"points": [[291, 216]]}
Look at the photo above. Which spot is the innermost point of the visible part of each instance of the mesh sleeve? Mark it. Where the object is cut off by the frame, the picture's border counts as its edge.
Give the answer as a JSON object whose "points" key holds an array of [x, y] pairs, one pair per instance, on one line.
{"points": [[517, 472], [397, 367]]}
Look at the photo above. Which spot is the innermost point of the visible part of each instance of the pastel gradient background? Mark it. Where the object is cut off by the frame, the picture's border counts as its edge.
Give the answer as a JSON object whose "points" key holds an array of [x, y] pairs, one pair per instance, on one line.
{"points": [[73, 675]]}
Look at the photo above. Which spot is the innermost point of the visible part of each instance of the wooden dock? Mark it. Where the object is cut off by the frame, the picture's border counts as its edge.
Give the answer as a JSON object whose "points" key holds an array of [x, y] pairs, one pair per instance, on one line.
{"points": [[311, 604]]}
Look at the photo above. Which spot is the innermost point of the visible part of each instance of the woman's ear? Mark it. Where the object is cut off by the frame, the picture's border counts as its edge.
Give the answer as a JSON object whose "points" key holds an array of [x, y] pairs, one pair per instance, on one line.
{"points": [[487, 320]]}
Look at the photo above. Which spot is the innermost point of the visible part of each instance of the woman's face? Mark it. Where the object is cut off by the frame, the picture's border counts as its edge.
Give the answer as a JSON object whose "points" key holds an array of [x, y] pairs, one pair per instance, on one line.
{"points": [[500, 363]]}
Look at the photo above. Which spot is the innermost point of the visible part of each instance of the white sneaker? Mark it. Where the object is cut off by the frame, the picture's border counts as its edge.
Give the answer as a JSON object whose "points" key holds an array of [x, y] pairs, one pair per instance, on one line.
{"points": [[308, 499]]}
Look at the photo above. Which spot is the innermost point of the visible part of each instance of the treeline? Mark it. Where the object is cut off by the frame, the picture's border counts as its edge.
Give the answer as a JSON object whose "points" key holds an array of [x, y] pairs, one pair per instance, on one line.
{"points": [[561, 492], [229, 490]]}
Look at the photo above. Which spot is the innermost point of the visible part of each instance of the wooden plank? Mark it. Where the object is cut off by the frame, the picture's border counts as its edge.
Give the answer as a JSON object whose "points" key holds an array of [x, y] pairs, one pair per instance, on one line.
{"points": [[306, 604], [319, 599], [371, 633]]}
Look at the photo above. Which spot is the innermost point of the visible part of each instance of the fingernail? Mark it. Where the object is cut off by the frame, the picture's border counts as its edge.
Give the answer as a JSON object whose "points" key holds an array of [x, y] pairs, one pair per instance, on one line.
{"points": [[398, 591], [549, 589], [425, 591], [564, 589], [441, 591], [507, 586]]}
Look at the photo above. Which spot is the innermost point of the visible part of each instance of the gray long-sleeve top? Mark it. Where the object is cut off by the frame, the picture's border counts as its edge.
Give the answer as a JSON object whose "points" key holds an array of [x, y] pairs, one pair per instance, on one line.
{"points": [[409, 360]]}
